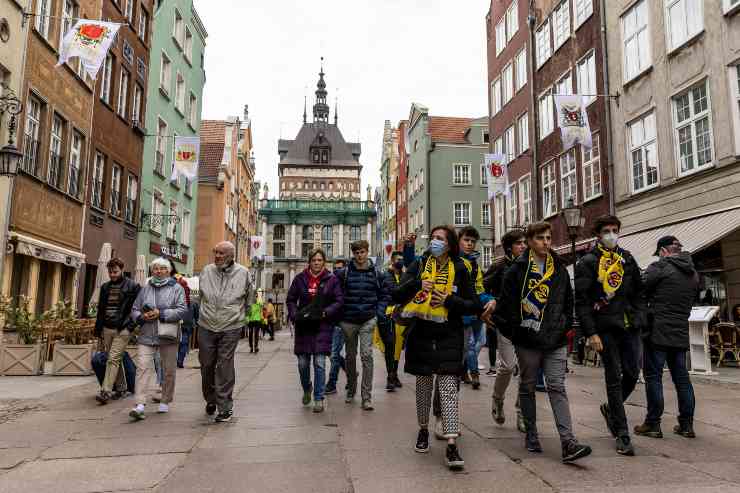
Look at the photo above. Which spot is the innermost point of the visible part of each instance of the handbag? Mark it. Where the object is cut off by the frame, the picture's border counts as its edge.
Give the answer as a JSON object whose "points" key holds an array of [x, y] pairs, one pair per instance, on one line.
{"points": [[308, 317], [168, 331]]}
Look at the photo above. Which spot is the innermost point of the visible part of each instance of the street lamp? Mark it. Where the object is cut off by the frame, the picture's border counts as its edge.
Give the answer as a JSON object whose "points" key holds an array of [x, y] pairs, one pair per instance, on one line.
{"points": [[573, 217]]}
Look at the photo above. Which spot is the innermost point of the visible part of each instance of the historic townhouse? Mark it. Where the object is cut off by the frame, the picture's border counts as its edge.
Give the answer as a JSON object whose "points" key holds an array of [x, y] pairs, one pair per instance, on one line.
{"points": [[402, 224]]}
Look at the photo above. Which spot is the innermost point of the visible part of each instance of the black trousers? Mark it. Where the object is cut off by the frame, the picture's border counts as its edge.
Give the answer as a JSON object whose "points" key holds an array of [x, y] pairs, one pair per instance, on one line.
{"points": [[254, 335], [388, 336], [621, 359], [492, 344]]}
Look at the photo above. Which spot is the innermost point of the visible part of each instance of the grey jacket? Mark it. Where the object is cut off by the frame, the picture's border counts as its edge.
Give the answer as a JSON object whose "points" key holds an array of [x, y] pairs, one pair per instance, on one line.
{"points": [[224, 296], [168, 299]]}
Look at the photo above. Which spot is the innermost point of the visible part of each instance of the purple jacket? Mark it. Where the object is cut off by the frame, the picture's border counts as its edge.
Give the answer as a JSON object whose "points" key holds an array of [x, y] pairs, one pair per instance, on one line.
{"points": [[320, 342]]}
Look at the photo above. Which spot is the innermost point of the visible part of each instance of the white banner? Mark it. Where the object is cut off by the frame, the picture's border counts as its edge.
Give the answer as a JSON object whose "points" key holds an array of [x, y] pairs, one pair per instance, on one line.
{"points": [[89, 40], [257, 244], [573, 121], [497, 174], [187, 151], [387, 250]]}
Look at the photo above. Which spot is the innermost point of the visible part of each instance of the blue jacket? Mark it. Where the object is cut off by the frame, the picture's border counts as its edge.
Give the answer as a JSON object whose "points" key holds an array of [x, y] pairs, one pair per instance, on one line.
{"points": [[365, 296]]}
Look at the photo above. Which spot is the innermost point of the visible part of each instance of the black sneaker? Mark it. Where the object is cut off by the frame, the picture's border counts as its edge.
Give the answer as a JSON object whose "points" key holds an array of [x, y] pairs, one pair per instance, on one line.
{"points": [[103, 397], [491, 372], [330, 390], [685, 430], [532, 442], [572, 451], [422, 441], [396, 382], [210, 409], [224, 416], [624, 446], [454, 461], [604, 408], [649, 430], [389, 385]]}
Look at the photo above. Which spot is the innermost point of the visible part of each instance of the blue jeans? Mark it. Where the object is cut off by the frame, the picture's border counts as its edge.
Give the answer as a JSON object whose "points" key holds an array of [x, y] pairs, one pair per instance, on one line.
{"points": [[182, 351], [337, 361], [476, 341], [655, 360], [319, 374]]}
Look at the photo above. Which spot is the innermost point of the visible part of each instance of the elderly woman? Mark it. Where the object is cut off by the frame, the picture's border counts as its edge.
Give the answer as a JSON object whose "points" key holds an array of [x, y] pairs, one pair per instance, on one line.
{"points": [[158, 310], [314, 301]]}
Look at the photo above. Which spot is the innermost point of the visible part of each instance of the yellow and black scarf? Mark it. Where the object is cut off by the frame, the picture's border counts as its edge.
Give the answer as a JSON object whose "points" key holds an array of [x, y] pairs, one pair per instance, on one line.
{"points": [[420, 307], [611, 271], [536, 291]]}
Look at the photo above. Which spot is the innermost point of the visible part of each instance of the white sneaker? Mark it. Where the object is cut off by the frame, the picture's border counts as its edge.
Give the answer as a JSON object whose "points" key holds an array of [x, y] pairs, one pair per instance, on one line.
{"points": [[163, 408]]}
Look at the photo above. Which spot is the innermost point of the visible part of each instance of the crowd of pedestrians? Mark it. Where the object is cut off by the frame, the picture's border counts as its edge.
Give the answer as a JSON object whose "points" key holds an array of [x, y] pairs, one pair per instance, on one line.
{"points": [[440, 308]]}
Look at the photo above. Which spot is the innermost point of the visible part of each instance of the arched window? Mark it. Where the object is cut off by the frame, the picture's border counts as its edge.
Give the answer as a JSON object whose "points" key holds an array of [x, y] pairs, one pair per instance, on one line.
{"points": [[307, 233], [327, 241], [278, 233], [331, 185], [322, 185], [305, 185], [327, 233]]}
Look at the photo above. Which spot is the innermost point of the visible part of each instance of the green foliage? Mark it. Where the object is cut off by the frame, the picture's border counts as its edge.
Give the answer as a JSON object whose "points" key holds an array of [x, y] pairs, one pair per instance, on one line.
{"points": [[18, 316]]}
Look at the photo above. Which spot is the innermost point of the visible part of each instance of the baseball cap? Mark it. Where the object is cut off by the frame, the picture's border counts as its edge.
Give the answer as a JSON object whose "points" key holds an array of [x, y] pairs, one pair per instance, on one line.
{"points": [[665, 242]]}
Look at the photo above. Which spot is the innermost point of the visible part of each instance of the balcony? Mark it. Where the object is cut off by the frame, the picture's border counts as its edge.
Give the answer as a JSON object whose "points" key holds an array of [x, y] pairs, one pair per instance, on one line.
{"points": [[334, 206]]}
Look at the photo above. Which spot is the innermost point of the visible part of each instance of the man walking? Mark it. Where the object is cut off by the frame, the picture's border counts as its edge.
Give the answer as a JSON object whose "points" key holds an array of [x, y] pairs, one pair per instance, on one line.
{"points": [[337, 344], [224, 297], [387, 327], [112, 323], [365, 300], [611, 312], [671, 286], [270, 315], [535, 312]]}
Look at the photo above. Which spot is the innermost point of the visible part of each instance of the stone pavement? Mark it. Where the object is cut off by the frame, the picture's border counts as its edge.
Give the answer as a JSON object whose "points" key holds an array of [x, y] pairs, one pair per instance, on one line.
{"points": [[68, 443]]}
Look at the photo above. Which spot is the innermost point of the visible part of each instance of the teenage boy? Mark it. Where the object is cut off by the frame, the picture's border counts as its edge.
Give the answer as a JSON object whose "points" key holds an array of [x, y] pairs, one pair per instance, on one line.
{"points": [[611, 311], [387, 327], [535, 312]]}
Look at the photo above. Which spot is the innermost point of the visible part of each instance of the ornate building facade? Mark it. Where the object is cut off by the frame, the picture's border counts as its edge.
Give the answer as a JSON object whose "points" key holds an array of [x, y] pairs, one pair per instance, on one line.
{"points": [[320, 200]]}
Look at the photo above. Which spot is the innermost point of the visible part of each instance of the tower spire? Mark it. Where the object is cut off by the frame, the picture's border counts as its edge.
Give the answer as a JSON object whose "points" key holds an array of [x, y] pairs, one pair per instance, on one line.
{"points": [[321, 109], [336, 110], [304, 108]]}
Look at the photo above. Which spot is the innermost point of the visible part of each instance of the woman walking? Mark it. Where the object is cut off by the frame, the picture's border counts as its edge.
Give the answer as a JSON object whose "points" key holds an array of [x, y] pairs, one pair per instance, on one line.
{"points": [[435, 292], [314, 301], [158, 310]]}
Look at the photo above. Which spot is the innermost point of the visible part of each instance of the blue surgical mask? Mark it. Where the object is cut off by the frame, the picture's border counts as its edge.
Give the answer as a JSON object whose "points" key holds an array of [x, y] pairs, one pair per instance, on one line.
{"points": [[437, 247]]}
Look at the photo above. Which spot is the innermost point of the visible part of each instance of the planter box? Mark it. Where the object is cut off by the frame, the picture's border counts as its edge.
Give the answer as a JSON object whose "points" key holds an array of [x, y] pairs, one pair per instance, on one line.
{"points": [[72, 359], [20, 359]]}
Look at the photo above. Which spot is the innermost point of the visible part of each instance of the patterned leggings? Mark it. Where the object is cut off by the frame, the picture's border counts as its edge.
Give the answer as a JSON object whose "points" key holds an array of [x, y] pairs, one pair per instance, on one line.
{"points": [[448, 394]]}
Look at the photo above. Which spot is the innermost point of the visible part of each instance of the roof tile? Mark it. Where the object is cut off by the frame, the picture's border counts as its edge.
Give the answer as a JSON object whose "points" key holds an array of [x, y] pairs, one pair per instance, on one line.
{"points": [[449, 129]]}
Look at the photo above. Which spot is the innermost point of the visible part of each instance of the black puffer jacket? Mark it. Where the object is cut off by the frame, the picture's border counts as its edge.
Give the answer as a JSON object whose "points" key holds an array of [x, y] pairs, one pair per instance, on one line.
{"points": [[627, 300], [671, 286], [365, 295], [493, 279], [558, 314], [437, 348], [129, 291]]}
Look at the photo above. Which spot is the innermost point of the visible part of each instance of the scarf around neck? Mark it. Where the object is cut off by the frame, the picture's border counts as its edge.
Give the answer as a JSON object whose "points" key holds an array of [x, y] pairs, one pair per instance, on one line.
{"points": [[159, 282], [314, 281], [536, 291], [420, 306], [611, 271]]}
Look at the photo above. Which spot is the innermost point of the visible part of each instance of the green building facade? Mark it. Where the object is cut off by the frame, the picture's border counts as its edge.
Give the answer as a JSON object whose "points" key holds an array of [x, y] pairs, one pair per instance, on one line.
{"points": [[174, 103]]}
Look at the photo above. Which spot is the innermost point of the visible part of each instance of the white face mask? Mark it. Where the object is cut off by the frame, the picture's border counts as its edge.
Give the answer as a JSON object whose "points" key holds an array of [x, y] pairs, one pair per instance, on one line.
{"points": [[610, 240]]}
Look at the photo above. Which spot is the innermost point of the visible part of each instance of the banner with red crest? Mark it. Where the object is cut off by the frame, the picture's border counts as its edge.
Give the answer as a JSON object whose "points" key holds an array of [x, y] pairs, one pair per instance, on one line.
{"points": [[89, 40], [257, 244], [573, 120], [498, 176], [187, 152], [387, 250]]}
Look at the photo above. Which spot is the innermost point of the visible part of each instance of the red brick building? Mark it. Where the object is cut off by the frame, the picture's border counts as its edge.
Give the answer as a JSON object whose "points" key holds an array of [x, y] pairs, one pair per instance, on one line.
{"points": [[402, 206]]}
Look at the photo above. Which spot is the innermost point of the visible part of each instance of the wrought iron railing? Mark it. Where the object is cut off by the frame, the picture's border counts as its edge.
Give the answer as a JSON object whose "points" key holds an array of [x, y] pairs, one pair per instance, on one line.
{"points": [[55, 170]]}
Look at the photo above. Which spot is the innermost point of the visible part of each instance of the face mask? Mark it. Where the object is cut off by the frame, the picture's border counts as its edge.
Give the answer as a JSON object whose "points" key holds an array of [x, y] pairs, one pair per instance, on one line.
{"points": [[437, 248], [398, 266], [610, 240]]}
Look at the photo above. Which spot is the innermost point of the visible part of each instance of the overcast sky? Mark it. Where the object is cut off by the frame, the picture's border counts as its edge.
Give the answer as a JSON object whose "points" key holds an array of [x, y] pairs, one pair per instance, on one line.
{"points": [[380, 56]]}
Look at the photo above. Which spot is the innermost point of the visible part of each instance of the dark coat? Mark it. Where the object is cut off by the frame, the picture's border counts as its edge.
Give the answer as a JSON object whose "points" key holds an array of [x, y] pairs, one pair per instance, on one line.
{"points": [[364, 294], [558, 314], [627, 300], [129, 291], [671, 286], [318, 342], [493, 279], [437, 348], [389, 284]]}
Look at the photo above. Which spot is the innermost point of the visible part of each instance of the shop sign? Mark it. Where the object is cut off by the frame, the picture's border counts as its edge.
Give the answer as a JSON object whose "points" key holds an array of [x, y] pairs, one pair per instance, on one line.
{"points": [[47, 254]]}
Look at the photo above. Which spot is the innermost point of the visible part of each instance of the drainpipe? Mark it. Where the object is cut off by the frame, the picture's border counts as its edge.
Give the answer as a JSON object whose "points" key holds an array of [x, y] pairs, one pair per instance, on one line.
{"points": [[427, 186], [534, 192], [610, 149]]}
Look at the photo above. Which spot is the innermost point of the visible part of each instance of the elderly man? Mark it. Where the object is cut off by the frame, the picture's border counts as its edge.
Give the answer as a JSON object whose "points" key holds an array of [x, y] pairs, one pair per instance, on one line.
{"points": [[224, 297]]}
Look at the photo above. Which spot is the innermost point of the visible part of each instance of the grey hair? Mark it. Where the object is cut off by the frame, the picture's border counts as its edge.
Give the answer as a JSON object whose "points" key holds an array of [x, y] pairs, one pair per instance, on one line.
{"points": [[228, 245], [161, 262]]}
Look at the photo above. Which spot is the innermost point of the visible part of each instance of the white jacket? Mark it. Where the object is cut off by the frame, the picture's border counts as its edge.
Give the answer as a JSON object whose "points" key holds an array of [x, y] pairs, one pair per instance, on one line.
{"points": [[224, 297]]}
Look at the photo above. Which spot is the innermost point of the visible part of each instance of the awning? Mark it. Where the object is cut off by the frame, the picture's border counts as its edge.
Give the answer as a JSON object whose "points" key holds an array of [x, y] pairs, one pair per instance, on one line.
{"points": [[27, 245], [694, 234]]}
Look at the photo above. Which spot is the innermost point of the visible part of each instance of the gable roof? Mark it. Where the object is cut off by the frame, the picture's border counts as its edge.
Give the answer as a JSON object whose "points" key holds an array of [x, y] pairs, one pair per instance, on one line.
{"points": [[298, 151], [212, 137], [448, 129]]}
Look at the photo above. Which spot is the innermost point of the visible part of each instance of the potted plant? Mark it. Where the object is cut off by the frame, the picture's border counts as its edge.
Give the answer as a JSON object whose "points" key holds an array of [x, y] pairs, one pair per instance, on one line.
{"points": [[72, 352], [23, 358]]}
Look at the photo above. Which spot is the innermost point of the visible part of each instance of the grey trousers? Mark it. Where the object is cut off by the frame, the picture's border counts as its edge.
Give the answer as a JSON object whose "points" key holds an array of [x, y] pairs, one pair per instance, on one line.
{"points": [[554, 364], [216, 356], [505, 366], [362, 333]]}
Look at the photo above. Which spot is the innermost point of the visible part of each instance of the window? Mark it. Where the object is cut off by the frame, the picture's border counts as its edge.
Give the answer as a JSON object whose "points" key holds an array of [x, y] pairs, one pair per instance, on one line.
{"points": [[188, 45], [188, 187], [75, 160], [278, 250], [278, 233], [31, 138], [185, 230], [568, 178], [693, 129], [137, 117], [487, 256], [43, 21], [123, 93], [161, 147], [327, 240], [561, 23], [306, 249], [542, 39], [636, 38], [546, 114], [172, 225], [178, 31], [498, 145], [483, 175], [586, 72], [130, 11], [684, 19], [521, 68], [157, 208], [176, 180], [733, 74], [513, 206], [180, 93], [70, 12], [132, 197], [500, 210], [143, 24], [462, 213], [55, 151], [523, 131], [729, 6], [509, 144], [508, 83], [461, 174], [485, 213], [525, 199], [583, 10], [512, 20], [496, 96], [549, 197], [643, 153], [98, 176], [500, 36], [115, 190], [105, 86], [165, 76], [564, 85], [307, 233], [591, 170], [354, 235]]}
